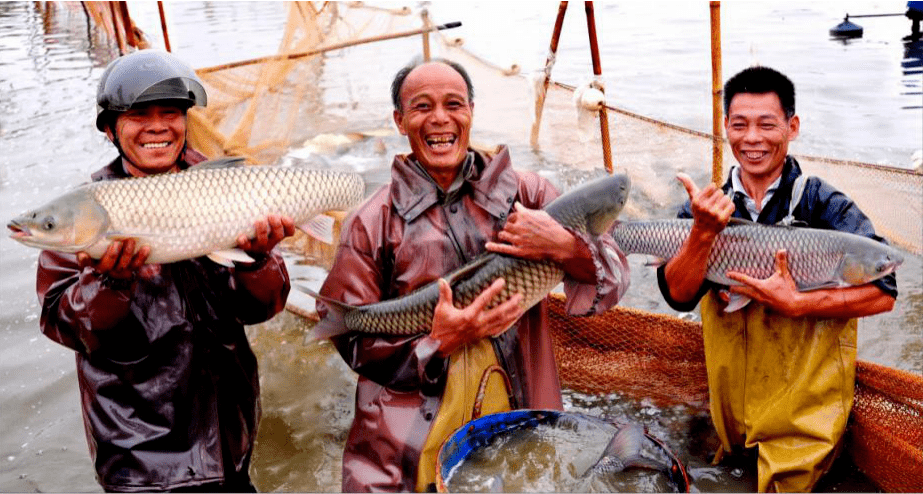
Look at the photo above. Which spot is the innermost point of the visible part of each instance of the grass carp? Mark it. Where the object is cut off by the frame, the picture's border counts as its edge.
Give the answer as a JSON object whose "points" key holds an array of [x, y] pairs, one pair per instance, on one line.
{"points": [[816, 258], [196, 212], [591, 208]]}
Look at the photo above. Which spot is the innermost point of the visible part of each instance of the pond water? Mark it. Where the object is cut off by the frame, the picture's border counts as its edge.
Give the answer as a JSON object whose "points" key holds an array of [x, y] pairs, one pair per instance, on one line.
{"points": [[862, 100]]}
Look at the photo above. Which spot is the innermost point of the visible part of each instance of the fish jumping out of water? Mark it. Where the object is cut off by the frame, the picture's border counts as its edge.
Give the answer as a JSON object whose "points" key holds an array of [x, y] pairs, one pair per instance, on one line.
{"points": [[816, 258], [591, 208], [199, 211]]}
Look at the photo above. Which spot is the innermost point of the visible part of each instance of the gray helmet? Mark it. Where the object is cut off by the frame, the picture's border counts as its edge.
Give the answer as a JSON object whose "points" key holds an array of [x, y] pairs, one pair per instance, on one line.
{"points": [[142, 77]]}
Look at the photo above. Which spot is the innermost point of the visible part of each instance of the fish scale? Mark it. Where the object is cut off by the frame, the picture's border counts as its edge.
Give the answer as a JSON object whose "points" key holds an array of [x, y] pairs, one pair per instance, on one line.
{"points": [[195, 212], [590, 209], [816, 258]]}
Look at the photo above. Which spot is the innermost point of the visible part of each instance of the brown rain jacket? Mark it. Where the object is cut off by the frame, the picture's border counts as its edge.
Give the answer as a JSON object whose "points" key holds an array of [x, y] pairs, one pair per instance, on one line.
{"points": [[168, 382], [403, 237]]}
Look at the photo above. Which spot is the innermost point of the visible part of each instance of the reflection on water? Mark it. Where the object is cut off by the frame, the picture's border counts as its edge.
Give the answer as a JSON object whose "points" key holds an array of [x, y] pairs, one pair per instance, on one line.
{"points": [[913, 72], [50, 62]]}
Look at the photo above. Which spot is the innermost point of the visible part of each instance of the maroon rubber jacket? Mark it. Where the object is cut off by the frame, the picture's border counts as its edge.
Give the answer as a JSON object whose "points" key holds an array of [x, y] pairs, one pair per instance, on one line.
{"points": [[406, 235], [168, 381]]}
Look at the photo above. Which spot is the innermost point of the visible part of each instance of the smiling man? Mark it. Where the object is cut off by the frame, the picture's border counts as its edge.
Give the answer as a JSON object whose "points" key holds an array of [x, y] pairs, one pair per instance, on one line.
{"points": [[781, 370], [168, 381], [445, 205]]}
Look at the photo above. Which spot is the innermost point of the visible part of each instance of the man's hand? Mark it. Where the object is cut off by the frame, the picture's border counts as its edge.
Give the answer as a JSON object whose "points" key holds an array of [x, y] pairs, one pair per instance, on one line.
{"points": [[120, 261], [778, 292], [711, 208], [267, 234], [533, 234], [711, 211], [456, 327]]}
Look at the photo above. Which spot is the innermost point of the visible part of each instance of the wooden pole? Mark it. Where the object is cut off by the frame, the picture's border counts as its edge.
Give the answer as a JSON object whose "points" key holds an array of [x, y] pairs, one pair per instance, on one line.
{"points": [[323, 49], [115, 28], [597, 71], [163, 26], [126, 25], [717, 126], [549, 62], [425, 15]]}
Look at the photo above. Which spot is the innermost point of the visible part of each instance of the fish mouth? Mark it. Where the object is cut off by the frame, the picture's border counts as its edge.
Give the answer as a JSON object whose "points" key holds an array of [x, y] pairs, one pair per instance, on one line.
{"points": [[18, 231]]}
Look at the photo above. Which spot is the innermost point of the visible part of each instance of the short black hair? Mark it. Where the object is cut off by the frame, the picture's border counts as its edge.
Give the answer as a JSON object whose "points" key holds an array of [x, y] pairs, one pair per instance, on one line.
{"points": [[402, 74], [761, 80]]}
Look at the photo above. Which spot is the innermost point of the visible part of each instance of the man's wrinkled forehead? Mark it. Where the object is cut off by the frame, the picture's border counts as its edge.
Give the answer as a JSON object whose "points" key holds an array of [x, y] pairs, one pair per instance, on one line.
{"points": [[433, 75]]}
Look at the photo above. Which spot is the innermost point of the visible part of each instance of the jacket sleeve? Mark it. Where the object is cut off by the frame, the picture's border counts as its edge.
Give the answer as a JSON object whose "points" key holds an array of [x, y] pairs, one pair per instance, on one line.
{"points": [[262, 288], [78, 306], [612, 278], [402, 363]]}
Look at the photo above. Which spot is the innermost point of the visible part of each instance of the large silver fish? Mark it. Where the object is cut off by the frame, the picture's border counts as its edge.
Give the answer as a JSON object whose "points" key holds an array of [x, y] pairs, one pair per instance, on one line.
{"points": [[591, 208], [816, 258], [196, 212]]}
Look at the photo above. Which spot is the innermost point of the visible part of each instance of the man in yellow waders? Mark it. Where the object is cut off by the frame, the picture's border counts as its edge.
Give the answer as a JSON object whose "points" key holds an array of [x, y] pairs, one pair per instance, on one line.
{"points": [[781, 370], [445, 205]]}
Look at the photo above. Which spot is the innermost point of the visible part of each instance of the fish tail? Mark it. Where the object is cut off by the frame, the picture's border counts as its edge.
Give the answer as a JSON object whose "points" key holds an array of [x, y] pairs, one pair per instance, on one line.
{"points": [[334, 322]]}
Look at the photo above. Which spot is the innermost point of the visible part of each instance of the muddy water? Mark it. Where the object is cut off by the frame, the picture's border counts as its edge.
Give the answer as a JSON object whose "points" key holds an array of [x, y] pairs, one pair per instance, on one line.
{"points": [[50, 62]]}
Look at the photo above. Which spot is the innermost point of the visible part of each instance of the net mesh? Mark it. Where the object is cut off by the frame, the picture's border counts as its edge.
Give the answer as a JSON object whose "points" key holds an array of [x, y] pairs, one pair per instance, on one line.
{"points": [[260, 109]]}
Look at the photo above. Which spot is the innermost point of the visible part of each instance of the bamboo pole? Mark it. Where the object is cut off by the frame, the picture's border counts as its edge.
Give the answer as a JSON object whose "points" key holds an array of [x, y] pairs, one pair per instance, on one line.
{"points": [[549, 63], [324, 49], [716, 90], [163, 26], [426, 23], [597, 71]]}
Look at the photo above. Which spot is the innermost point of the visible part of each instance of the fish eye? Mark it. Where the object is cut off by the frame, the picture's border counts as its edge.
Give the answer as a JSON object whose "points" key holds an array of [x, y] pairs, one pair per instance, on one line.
{"points": [[48, 223]]}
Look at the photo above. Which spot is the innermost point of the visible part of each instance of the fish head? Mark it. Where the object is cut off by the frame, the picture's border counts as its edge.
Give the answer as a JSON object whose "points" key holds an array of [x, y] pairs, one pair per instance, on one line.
{"points": [[868, 261], [605, 199], [69, 223], [592, 207]]}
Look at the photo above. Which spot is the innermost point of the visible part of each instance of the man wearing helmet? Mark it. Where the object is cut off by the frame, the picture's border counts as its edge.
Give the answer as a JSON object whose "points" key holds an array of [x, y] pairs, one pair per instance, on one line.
{"points": [[168, 381]]}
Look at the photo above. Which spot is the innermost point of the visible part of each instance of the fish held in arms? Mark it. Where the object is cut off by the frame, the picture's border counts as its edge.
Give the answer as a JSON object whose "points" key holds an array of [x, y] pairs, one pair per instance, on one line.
{"points": [[591, 208], [196, 212], [817, 258]]}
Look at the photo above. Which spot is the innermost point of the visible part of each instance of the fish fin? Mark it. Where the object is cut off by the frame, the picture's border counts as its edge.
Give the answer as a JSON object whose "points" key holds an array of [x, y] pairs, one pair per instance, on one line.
{"points": [[229, 162], [625, 445], [229, 256], [333, 324], [736, 302], [655, 261], [320, 227], [821, 286]]}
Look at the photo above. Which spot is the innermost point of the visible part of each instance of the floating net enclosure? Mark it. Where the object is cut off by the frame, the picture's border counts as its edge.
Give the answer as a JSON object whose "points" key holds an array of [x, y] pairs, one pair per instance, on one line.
{"points": [[261, 108]]}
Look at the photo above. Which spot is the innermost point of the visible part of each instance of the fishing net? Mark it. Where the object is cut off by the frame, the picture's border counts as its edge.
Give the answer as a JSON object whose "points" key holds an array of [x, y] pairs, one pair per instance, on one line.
{"points": [[259, 109]]}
